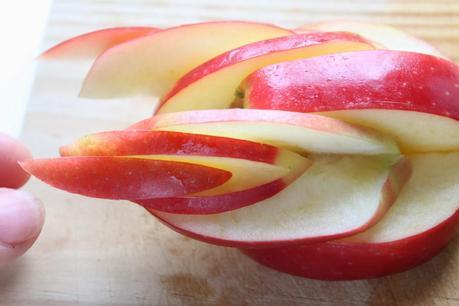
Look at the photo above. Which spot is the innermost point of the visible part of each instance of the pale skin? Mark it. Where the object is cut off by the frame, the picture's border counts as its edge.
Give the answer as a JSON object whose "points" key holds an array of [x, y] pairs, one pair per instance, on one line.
{"points": [[21, 214]]}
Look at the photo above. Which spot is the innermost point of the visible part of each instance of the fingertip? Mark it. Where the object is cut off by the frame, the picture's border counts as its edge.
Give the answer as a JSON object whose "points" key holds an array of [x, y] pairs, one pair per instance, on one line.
{"points": [[21, 220]]}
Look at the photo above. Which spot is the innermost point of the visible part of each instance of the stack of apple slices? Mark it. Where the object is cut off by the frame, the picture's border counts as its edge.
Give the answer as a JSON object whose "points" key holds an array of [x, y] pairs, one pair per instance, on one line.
{"points": [[318, 152]]}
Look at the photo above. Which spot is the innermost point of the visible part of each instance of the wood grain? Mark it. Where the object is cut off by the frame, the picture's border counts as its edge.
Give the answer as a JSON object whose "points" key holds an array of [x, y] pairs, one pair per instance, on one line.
{"points": [[95, 252]]}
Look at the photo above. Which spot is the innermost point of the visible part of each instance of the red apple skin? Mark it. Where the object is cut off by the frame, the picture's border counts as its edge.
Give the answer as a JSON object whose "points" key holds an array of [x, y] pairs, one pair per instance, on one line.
{"points": [[12, 152], [144, 142], [126, 178], [351, 261], [256, 49], [215, 204], [90, 45], [377, 79]]}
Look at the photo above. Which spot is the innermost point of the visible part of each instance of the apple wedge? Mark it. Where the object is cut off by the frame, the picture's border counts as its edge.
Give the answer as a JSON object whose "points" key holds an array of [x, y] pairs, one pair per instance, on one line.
{"points": [[90, 45], [295, 131], [229, 201], [125, 177], [410, 97], [338, 196], [424, 218], [251, 164], [150, 65], [213, 84], [381, 35]]}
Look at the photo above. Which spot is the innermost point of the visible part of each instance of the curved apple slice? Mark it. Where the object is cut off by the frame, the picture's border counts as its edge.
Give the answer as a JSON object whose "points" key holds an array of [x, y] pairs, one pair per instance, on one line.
{"points": [[383, 36], [411, 97], [245, 174], [251, 164], [90, 45], [338, 196], [294, 131], [424, 218], [145, 142], [150, 65], [124, 177], [229, 201], [213, 84]]}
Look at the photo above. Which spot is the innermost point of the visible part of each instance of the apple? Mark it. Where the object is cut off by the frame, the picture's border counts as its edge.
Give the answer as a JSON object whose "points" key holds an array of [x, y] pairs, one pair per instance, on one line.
{"points": [[214, 83], [423, 219], [128, 178], [410, 97], [381, 35], [258, 171], [262, 165], [336, 197], [150, 65], [295, 131], [12, 152], [90, 45]]}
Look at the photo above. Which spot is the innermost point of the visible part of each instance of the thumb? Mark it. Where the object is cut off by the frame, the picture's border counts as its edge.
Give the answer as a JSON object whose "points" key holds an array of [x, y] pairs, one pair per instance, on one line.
{"points": [[21, 220]]}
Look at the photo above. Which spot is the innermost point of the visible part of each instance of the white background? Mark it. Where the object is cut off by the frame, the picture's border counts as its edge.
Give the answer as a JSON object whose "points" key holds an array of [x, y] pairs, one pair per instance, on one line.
{"points": [[22, 24]]}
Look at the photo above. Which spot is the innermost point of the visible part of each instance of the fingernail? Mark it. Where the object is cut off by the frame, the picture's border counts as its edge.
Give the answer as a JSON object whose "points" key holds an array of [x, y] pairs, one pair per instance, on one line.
{"points": [[21, 216]]}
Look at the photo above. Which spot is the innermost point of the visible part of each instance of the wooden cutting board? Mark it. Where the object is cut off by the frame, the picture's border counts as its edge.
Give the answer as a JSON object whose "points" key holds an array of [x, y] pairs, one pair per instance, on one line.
{"points": [[95, 252]]}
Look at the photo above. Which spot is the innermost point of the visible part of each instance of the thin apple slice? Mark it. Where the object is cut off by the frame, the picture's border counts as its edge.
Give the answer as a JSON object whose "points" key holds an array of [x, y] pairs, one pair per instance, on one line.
{"points": [[92, 44], [411, 97], [338, 196], [245, 174], [424, 218], [229, 201], [150, 65], [213, 84], [145, 142], [295, 131], [251, 164], [383, 36], [124, 177]]}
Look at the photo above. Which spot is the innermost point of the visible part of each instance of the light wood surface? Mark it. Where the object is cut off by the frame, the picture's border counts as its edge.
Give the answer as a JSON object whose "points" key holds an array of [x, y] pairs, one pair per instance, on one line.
{"points": [[95, 252]]}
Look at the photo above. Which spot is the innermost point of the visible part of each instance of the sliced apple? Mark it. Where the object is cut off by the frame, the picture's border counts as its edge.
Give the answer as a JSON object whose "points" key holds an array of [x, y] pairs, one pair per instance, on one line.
{"points": [[383, 36], [251, 164], [150, 65], [411, 97], [338, 196], [145, 142], [125, 177], [295, 131], [228, 201], [424, 218], [214, 83], [90, 45]]}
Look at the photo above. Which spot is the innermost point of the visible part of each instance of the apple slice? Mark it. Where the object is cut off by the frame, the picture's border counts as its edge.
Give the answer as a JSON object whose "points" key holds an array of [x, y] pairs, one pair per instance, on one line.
{"points": [[125, 177], [384, 36], [251, 164], [424, 218], [338, 196], [150, 65], [229, 201], [214, 83], [411, 97], [90, 45], [295, 131]]}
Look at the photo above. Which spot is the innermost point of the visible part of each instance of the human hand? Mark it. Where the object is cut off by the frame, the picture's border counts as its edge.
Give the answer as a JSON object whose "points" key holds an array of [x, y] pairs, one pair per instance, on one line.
{"points": [[21, 215]]}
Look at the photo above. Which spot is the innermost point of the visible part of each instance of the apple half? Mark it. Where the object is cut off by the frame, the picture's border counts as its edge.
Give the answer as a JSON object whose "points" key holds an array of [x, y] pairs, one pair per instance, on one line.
{"points": [[410, 97], [423, 219], [213, 84], [295, 131], [92, 44], [336, 197], [381, 35], [150, 65]]}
